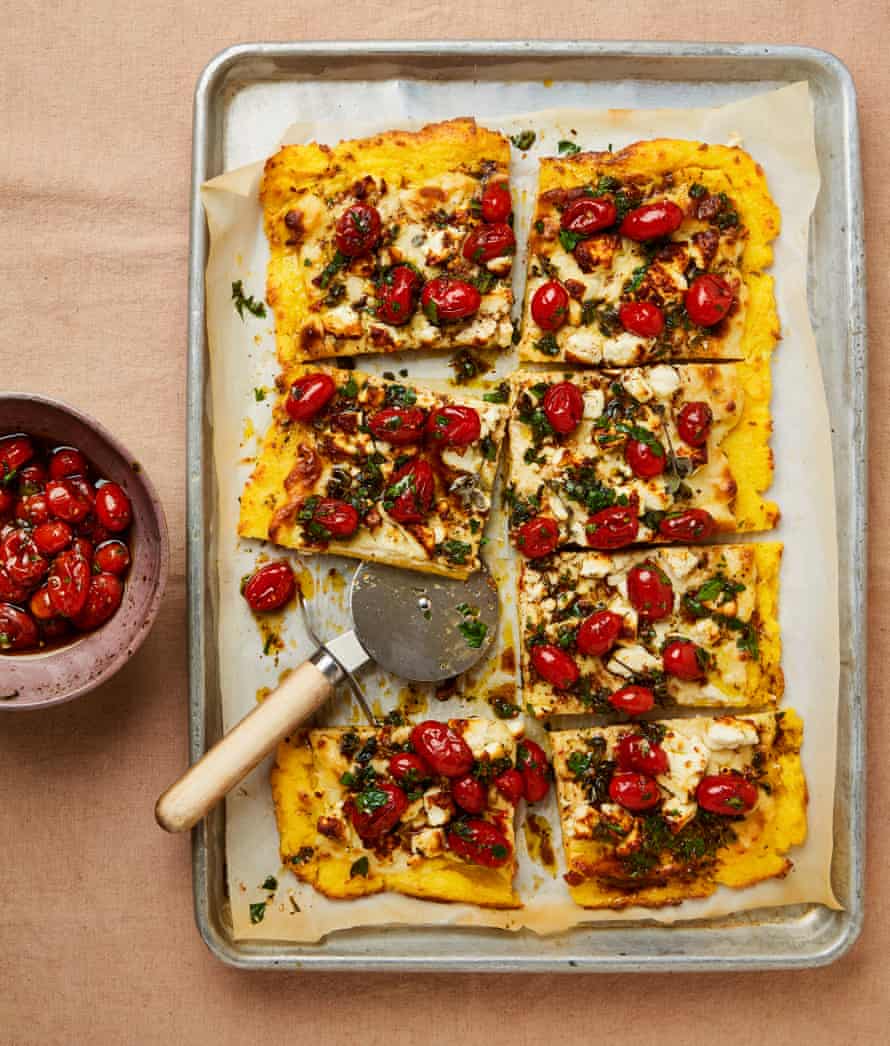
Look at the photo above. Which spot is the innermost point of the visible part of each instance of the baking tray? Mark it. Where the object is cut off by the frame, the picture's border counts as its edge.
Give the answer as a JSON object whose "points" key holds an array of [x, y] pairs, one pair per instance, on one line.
{"points": [[597, 74]]}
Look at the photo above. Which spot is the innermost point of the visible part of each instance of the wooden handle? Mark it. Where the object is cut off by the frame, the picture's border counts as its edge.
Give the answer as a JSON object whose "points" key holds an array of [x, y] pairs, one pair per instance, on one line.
{"points": [[232, 758]]}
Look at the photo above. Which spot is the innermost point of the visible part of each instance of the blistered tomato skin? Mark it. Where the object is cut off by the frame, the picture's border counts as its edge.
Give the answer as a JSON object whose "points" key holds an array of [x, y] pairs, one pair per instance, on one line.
{"points": [[397, 296], [652, 221], [635, 752], [650, 592], [728, 794], [338, 518], [446, 300], [15, 451], [554, 665], [32, 478], [641, 317], [694, 423], [52, 537], [454, 426], [21, 559], [408, 769], [537, 537], [33, 508], [708, 300], [67, 501], [510, 785], [469, 794], [270, 587], [588, 215], [357, 231], [497, 204], [103, 599], [479, 842], [531, 761], [599, 633], [411, 492], [67, 461], [372, 824], [683, 660], [398, 425], [693, 524], [10, 591], [487, 242], [309, 395], [112, 557], [113, 508], [563, 404], [69, 583], [634, 791], [550, 306], [17, 629], [646, 459], [443, 749], [613, 527], [632, 699], [41, 606]]}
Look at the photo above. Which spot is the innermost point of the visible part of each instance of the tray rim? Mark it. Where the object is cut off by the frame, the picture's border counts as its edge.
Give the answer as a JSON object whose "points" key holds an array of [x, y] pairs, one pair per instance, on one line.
{"points": [[210, 79]]}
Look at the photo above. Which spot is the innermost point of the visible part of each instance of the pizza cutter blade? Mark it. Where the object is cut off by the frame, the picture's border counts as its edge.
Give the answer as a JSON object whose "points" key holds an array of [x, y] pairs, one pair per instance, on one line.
{"points": [[420, 627]]}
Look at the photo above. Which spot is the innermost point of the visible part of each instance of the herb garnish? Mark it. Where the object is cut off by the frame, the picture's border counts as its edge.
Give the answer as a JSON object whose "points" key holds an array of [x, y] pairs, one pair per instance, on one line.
{"points": [[567, 148], [257, 912], [246, 301], [360, 867], [524, 140]]}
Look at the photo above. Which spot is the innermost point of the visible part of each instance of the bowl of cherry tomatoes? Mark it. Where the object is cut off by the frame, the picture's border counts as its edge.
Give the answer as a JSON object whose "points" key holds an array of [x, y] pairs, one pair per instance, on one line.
{"points": [[83, 553]]}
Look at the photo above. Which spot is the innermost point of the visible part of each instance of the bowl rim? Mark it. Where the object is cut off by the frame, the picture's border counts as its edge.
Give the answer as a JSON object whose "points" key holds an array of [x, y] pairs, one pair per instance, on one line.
{"points": [[129, 649]]}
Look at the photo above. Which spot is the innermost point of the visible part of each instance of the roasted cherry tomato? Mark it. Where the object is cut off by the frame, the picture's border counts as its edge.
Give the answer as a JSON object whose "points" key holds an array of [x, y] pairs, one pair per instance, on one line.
{"points": [[358, 230], [270, 587], [650, 592], [708, 300], [15, 451], [531, 761], [634, 791], [337, 517], [411, 490], [84, 548], [377, 811], [10, 591], [692, 524], [69, 583], [694, 423], [641, 317], [32, 478], [51, 538], [563, 404], [729, 794], [113, 508], [613, 527], [683, 659], [112, 557], [17, 629], [397, 295], [550, 305], [537, 537], [103, 599], [7, 503], [41, 605], [599, 633], [309, 395], [408, 769], [635, 752], [21, 559], [632, 699], [66, 461], [497, 204], [398, 425], [453, 425], [443, 749], [510, 785], [487, 242], [589, 214], [646, 459], [479, 842], [470, 794], [445, 300], [33, 509], [91, 529], [652, 221], [554, 665], [68, 501]]}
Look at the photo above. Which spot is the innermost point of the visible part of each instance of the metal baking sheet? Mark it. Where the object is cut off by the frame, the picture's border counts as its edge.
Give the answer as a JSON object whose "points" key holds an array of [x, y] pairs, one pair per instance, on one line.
{"points": [[598, 75]]}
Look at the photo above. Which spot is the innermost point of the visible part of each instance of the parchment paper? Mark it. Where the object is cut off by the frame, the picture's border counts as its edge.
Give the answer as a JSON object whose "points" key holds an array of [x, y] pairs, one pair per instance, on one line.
{"points": [[777, 129]]}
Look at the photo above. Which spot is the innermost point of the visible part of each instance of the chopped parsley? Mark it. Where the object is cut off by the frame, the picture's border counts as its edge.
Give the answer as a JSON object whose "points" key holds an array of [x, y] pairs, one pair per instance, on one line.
{"points": [[270, 883], [259, 394], [331, 269], [399, 396], [371, 799], [567, 148], [454, 551], [360, 867], [246, 301], [524, 140], [569, 240], [500, 394], [257, 912], [471, 628]]}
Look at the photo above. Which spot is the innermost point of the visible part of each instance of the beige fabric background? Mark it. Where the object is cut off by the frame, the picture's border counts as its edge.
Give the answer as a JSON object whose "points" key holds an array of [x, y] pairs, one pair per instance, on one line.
{"points": [[95, 129]]}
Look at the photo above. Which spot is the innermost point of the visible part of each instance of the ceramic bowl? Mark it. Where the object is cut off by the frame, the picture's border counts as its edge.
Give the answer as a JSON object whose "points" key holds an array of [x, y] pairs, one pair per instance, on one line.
{"points": [[40, 679]]}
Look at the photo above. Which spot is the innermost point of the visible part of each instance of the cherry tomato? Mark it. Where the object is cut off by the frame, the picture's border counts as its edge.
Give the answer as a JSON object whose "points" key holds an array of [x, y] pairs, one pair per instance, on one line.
{"points": [[7, 502], [104, 597], [51, 538], [411, 490], [358, 230], [398, 425], [41, 605], [487, 242], [729, 794], [641, 317], [632, 699], [693, 524], [681, 660], [309, 395], [635, 752], [445, 300], [92, 530], [531, 756], [510, 785], [652, 221], [270, 587], [564, 406], [11, 591], [634, 791], [694, 423], [589, 214], [69, 583], [337, 517], [17, 629], [32, 478], [599, 633], [66, 461], [550, 305], [33, 508], [708, 300], [612, 527], [537, 537], [67, 501], [83, 548], [497, 204], [397, 295], [470, 794], [454, 426], [479, 842], [408, 769], [112, 557], [372, 821], [554, 665], [650, 592], [445, 751], [15, 451], [646, 459], [21, 559], [113, 509]]}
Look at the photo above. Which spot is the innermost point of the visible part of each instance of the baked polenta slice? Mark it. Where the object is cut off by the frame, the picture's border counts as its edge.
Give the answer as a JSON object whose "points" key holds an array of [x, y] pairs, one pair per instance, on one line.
{"points": [[653, 253], [375, 469], [364, 810], [695, 627], [659, 813], [400, 241], [610, 458]]}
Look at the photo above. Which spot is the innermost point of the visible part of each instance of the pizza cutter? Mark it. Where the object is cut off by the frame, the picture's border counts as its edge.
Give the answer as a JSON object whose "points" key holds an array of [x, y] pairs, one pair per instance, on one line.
{"points": [[420, 627]]}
